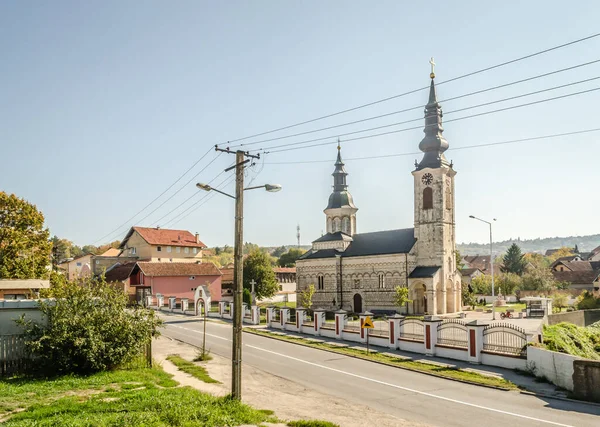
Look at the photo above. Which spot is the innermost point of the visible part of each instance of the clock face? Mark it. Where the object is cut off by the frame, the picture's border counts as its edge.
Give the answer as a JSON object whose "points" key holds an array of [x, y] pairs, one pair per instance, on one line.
{"points": [[427, 179]]}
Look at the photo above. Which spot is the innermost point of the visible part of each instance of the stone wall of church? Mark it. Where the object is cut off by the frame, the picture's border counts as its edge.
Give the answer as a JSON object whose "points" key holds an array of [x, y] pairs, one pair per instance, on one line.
{"points": [[374, 278]]}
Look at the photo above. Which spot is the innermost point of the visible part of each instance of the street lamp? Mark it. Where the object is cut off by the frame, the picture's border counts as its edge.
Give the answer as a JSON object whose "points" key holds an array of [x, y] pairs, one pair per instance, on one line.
{"points": [[491, 262], [238, 268]]}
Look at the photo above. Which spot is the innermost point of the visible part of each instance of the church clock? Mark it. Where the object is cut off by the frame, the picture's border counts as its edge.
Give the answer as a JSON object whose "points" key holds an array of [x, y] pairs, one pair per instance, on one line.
{"points": [[427, 179]]}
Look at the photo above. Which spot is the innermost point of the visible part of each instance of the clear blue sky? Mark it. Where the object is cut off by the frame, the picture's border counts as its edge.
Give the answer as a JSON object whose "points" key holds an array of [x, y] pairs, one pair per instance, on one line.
{"points": [[105, 104]]}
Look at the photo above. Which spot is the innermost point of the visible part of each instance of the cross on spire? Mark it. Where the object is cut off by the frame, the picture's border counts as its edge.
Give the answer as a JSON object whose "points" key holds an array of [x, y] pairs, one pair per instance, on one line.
{"points": [[432, 62]]}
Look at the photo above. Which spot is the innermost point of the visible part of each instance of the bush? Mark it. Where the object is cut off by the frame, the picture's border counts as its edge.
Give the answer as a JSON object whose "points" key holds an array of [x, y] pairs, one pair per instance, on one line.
{"points": [[247, 296], [89, 328], [571, 339], [587, 301]]}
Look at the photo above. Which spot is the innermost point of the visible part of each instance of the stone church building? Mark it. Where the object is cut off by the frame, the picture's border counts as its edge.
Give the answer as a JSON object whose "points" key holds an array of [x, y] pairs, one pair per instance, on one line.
{"points": [[360, 271]]}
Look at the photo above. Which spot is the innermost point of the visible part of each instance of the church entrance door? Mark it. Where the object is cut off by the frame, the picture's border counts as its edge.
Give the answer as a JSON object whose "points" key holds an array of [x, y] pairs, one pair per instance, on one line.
{"points": [[419, 298], [357, 303]]}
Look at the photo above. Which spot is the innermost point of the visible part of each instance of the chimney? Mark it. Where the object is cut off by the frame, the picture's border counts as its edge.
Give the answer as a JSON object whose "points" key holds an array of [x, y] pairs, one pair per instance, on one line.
{"points": [[197, 238]]}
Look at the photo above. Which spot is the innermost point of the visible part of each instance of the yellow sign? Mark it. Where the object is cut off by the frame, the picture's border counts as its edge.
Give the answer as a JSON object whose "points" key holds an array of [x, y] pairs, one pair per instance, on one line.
{"points": [[368, 323]]}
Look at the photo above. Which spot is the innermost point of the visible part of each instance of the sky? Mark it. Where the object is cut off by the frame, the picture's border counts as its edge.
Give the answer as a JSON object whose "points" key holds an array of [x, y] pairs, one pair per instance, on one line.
{"points": [[104, 105]]}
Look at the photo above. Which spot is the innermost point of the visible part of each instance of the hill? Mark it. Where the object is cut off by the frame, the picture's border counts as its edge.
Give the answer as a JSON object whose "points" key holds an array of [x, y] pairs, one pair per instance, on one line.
{"points": [[584, 244]]}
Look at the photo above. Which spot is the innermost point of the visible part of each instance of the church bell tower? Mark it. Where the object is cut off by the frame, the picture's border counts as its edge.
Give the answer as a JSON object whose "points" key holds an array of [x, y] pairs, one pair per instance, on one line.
{"points": [[340, 210]]}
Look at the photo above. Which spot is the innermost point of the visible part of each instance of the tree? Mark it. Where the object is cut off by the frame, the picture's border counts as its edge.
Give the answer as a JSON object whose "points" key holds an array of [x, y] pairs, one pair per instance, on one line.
{"points": [[257, 266], [508, 283], [459, 260], [306, 296], [536, 260], [513, 261], [25, 247], [90, 328], [538, 279], [279, 251], [468, 297], [561, 252], [250, 247], [482, 285], [560, 300], [289, 258], [401, 296]]}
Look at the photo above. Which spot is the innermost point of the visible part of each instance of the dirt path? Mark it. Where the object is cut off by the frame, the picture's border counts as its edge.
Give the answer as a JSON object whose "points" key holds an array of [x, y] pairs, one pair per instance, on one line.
{"points": [[289, 400]]}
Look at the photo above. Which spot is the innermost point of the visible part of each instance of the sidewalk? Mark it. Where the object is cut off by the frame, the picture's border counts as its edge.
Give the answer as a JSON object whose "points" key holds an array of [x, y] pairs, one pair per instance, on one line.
{"points": [[523, 381]]}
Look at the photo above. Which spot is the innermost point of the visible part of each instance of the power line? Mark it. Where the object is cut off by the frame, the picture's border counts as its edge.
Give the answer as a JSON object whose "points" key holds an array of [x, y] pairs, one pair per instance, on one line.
{"points": [[155, 199], [418, 107], [513, 141], [294, 144], [417, 90]]}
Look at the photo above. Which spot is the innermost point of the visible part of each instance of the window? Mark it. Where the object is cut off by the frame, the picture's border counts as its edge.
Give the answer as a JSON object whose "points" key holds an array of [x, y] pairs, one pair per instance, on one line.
{"points": [[158, 259], [428, 198], [356, 283], [158, 249], [170, 259], [97, 261], [169, 249], [178, 249], [320, 282], [186, 250], [78, 264], [381, 281], [132, 251], [15, 296], [337, 225], [346, 225], [192, 277], [195, 250]]}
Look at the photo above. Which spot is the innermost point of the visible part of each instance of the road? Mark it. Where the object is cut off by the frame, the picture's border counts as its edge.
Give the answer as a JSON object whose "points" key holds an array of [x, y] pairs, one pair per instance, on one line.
{"points": [[403, 394]]}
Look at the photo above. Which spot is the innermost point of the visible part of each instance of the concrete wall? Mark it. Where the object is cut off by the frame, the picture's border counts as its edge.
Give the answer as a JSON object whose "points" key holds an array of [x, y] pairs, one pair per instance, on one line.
{"points": [[12, 310], [504, 361], [415, 347], [586, 380], [556, 367], [579, 317], [451, 353]]}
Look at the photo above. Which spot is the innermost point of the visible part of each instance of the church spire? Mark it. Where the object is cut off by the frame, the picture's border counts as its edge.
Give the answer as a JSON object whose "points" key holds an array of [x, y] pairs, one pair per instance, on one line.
{"points": [[433, 144], [339, 174]]}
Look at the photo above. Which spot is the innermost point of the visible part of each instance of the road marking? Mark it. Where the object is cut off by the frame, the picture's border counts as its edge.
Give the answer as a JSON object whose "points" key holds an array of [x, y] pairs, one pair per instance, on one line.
{"points": [[199, 332], [435, 396]]}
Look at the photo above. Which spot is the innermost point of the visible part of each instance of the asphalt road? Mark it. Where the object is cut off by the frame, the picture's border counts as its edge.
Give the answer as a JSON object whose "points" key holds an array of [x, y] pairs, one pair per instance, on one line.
{"points": [[404, 394]]}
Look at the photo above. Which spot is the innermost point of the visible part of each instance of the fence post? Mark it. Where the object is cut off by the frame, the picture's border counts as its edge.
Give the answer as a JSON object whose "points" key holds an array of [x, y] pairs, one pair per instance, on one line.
{"points": [[394, 330], [160, 300], [149, 353], [284, 316], [184, 304], [270, 315], [340, 323], [431, 323], [299, 318], [475, 337], [319, 318], [363, 332], [255, 315], [172, 303], [149, 301], [222, 308]]}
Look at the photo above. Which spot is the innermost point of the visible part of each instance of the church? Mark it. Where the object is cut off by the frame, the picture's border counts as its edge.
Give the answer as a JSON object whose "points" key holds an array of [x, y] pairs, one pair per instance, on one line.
{"points": [[360, 271]]}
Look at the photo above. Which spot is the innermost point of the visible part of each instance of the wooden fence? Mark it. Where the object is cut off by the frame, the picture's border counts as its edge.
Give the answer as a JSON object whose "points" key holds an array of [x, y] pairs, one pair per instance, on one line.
{"points": [[12, 354]]}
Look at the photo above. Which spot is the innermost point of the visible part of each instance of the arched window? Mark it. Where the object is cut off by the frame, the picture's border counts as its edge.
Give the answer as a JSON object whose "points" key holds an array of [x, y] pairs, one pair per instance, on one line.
{"points": [[337, 226], [329, 226], [381, 281], [346, 225], [428, 198], [320, 282]]}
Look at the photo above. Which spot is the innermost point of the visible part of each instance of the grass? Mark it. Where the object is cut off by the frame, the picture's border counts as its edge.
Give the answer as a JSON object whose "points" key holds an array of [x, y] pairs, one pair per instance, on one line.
{"points": [[191, 368], [278, 304], [311, 423], [571, 339], [202, 356], [517, 307], [134, 397], [441, 371]]}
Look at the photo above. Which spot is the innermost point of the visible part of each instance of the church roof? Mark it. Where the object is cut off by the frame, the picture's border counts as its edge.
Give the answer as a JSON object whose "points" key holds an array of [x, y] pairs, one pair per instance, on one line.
{"points": [[340, 199], [376, 243], [334, 237], [423, 272]]}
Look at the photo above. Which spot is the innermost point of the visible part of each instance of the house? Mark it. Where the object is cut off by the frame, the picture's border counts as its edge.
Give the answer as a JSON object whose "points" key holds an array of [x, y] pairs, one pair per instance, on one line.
{"points": [[77, 267], [482, 263], [574, 264], [360, 271], [594, 255], [17, 289], [170, 279], [101, 263], [468, 274], [227, 283], [584, 280], [162, 245], [286, 278]]}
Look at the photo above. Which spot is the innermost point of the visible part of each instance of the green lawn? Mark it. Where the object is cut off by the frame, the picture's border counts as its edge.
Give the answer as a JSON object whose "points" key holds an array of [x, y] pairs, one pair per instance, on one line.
{"points": [[278, 304], [191, 368], [441, 371], [136, 397], [517, 307]]}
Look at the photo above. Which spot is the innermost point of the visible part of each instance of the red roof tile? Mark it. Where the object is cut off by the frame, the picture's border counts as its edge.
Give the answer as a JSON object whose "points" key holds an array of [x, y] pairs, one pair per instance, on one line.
{"points": [[227, 275], [166, 269], [160, 236], [284, 269]]}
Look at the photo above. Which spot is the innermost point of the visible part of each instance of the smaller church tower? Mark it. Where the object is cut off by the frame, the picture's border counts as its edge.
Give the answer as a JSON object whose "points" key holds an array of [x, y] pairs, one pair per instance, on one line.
{"points": [[340, 211]]}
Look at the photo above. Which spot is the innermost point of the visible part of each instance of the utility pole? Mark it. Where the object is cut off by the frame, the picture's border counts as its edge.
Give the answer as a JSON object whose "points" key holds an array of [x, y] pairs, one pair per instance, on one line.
{"points": [[238, 270]]}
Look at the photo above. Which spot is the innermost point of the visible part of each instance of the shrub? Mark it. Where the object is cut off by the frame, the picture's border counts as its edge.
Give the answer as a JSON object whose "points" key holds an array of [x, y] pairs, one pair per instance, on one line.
{"points": [[89, 328], [571, 339], [587, 301]]}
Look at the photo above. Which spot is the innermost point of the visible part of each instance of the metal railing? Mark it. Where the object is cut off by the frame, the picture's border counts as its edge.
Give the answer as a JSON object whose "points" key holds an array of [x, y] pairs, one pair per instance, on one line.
{"points": [[412, 329], [505, 338], [453, 332]]}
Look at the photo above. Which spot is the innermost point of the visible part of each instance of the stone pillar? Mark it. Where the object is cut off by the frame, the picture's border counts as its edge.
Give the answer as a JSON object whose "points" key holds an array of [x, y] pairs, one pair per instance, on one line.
{"points": [[172, 303], [244, 309], [222, 308], [160, 300], [255, 315], [431, 303], [284, 316], [444, 297], [184, 304], [149, 300], [394, 330], [475, 337], [319, 318], [363, 332], [431, 323], [299, 318], [270, 315], [340, 323]]}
